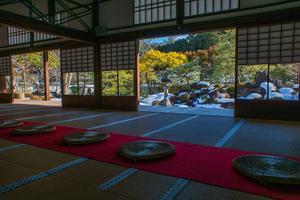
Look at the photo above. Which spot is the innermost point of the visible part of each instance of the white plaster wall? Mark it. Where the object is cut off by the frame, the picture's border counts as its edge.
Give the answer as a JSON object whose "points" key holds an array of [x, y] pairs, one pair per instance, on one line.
{"points": [[256, 3], [3, 36], [116, 13]]}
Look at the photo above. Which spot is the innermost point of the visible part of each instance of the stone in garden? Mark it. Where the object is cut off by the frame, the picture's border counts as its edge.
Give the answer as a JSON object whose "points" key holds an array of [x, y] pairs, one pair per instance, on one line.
{"points": [[156, 103], [264, 85], [260, 77], [184, 97], [275, 96], [214, 94], [165, 102], [225, 95], [173, 99], [199, 85], [193, 96], [286, 90], [254, 96], [19, 95], [289, 84]]}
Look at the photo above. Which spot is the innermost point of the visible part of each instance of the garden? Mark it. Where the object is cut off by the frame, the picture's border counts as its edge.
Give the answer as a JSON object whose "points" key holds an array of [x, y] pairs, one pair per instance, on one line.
{"points": [[198, 70]]}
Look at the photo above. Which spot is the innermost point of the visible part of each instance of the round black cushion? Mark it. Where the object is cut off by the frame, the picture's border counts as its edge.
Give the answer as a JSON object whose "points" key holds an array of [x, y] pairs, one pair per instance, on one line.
{"points": [[10, 124], [87, 137], [32, 130], [269, 169], [146, 150]]}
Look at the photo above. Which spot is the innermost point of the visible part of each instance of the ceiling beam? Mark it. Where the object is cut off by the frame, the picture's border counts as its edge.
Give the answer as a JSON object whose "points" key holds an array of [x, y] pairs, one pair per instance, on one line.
{"points": [[31, 24], [278, 16], [41, 47]]}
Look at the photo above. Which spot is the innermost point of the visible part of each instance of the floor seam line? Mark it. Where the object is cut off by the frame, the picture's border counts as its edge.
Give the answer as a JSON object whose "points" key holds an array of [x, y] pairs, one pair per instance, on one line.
{"points": [[5, 149], [27, 180], [80, 118], [122, 121]]}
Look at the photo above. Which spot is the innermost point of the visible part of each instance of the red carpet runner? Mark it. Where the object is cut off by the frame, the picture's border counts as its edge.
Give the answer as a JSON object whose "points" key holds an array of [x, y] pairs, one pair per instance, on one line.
{"points": [[199, 163]]}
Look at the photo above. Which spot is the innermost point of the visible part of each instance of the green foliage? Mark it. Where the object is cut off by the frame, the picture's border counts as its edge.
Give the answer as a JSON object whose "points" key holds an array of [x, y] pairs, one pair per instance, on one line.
{"points": [[247, 72], [109, 83], [111, 86], [224, 58], [198, 57], [284, 73], [192, 42]]}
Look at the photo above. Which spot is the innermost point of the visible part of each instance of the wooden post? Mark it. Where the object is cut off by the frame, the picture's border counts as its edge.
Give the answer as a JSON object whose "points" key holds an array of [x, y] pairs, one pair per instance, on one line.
{"points": [[137, 76], [46, 75], [2, 85]]}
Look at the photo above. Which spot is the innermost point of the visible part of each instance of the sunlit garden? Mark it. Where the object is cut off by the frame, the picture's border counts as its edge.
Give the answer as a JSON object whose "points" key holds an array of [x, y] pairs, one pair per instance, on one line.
{"points": [[28, 73], [198, 70]]}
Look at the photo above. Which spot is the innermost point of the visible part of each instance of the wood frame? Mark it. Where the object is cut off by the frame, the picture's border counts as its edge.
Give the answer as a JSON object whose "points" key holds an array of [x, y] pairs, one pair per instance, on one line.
{"points": [[122, 102], [243, 108], [9, 97]]}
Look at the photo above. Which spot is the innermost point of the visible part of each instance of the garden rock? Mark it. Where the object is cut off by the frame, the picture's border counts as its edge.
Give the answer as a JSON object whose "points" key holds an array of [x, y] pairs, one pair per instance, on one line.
{"points": [[184, 97], [165, 102], [156, 103]]}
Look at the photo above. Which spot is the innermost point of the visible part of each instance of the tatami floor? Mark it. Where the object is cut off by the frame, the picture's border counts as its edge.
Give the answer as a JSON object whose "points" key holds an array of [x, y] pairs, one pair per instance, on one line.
{"points": [[82, 181]]}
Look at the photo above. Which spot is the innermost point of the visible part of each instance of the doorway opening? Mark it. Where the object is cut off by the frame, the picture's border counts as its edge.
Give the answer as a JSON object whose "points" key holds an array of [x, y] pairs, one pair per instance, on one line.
{"points": [[37, 78], [192, 73]]}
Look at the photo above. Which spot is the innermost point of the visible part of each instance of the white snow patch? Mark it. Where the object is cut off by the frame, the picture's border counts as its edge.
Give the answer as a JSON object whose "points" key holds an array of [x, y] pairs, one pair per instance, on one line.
{"points": [[181, 106], [225, 100], [264, 85], [254, 96], [286, 90], [148, 100]]}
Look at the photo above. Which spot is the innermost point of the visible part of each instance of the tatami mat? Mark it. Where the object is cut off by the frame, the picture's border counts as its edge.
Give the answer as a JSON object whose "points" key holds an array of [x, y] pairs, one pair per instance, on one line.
{"points": [[80, 181], [35, 158], [199, 191], [53, 188], [144, 185]]}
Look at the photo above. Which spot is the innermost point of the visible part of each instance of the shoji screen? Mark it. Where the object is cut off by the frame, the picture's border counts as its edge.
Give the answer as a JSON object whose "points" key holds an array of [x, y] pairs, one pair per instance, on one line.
{"points": [[77, 60], [202, 7], [269, 44], [17, 36], [147, 11], [118, 56], [5, 67]]}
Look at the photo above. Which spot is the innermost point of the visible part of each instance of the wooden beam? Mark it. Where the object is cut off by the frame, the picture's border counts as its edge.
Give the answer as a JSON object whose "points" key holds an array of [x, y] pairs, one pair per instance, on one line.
{"points": [[209, 25], [37, 48], [31, 24], [46, 75], [2, 85], [179, 12]]}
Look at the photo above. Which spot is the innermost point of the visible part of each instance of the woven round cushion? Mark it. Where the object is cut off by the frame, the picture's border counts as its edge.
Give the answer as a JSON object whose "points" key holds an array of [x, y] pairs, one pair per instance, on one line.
{"points": [[269, 169], [10, 124], [32, 130], [146, 150], [88, 137]]}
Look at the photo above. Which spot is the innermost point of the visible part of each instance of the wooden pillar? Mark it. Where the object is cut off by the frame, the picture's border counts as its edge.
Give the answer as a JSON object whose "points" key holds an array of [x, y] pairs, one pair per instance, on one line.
{"points": [[46, 75], [137, 76], [2, 85], [12, 87]]}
